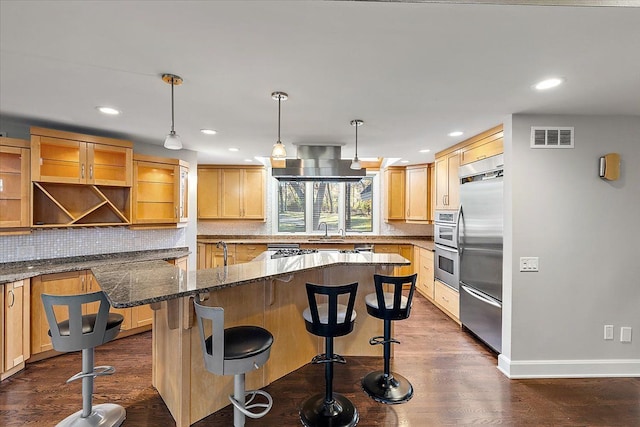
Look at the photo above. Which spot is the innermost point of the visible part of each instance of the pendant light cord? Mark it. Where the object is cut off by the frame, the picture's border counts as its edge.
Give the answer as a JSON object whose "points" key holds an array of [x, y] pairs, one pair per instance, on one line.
{"points": [[172, 121], [356, 140], [279, 100]]}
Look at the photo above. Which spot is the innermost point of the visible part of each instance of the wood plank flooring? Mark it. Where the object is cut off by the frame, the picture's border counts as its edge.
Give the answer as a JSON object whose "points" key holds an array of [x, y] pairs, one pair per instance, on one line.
{"points": [[455, 379]]}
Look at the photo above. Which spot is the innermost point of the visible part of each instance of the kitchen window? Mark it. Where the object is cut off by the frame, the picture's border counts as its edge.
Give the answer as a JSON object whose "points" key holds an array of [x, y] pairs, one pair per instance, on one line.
{"points": [[342, 206]]}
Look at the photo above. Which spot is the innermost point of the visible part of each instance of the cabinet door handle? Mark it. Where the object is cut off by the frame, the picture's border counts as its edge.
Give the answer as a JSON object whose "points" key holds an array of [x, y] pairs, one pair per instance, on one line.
{"points": [[13, 298], [82, 284], [90, 171], [82, 171]]}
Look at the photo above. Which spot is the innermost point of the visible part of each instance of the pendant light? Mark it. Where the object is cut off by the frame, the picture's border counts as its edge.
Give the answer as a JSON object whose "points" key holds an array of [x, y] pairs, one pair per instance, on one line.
{"points": [[278, 151], [172, 141], [355, 163]]}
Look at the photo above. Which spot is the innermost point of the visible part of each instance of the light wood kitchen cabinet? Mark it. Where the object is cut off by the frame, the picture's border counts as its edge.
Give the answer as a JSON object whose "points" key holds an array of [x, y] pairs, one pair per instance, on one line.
{"points": [[231, 192], [243, 193], [73, 158], [417, 194], [15, 181], [79, 180], [247, 252], [209, 256], [487, 146], [15, 320], [407, 252], [446, 180], [394, 194], [448, 300], [208, 193], [160, 190], [404, 250], [423, 261], [68, 283]]}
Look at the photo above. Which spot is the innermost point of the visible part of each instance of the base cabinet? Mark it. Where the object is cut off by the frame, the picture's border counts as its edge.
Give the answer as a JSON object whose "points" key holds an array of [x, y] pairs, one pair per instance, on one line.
{"points": [[69, 283], [448, 300], [14, 319], [424, 269]]}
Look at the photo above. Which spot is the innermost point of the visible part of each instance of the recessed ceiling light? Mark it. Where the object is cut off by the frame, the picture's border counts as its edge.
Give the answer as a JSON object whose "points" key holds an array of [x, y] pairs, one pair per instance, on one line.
{"points": [[425, 150], [108, 110], [208, 131], [455, 133], [233, 149], [404, 161], [548, 83], [248, 160]]}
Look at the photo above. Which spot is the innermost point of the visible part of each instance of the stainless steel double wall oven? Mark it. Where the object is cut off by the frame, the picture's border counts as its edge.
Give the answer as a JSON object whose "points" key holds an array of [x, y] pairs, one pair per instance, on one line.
{"points": [[446, 243]]}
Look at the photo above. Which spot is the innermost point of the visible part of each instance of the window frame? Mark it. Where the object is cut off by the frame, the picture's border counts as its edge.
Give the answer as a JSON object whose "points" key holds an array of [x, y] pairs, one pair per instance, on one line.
{"points": [[375, 209]]}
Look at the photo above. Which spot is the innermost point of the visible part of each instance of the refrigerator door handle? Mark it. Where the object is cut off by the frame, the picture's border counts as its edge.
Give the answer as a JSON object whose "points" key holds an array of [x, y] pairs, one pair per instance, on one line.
{"points": [[479, 296], [458, 230]]}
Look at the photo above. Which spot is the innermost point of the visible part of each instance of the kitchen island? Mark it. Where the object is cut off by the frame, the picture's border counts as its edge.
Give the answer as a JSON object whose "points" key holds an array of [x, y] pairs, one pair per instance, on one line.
{"points": [[269, 293]]}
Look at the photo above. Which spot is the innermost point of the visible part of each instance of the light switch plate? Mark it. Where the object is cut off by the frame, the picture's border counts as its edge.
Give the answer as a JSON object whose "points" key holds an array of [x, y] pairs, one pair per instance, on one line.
{"points": [[608, 332], [625, 334], [529, 263]]}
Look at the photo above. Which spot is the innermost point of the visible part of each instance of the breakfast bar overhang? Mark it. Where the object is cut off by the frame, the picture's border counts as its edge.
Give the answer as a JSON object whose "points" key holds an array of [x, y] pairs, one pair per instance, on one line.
{"points": [[267, 292]]}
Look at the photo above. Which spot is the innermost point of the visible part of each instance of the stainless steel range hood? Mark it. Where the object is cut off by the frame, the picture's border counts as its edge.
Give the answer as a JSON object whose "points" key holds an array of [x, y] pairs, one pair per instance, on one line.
{"points": [[318, 163]]}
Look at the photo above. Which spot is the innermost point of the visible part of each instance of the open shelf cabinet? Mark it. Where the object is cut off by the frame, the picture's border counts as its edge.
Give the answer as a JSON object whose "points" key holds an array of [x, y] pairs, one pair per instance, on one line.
{"points": [[67, 205]]}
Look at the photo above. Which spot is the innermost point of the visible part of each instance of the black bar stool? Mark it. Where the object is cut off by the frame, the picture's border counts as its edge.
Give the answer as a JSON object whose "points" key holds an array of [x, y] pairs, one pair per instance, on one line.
{"points": [[235, 351], [329, 320], [385, 386], [85, 332]]}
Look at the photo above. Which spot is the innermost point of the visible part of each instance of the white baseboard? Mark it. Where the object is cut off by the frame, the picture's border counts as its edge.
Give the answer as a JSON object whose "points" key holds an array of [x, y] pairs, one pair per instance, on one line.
{"points": [[569, 368]]}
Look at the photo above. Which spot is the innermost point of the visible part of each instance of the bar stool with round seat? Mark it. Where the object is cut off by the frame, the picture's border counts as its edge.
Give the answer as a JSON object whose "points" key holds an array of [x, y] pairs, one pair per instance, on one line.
{"points": [[386, 386], [329, 320], [85, 332], [235, 351]]}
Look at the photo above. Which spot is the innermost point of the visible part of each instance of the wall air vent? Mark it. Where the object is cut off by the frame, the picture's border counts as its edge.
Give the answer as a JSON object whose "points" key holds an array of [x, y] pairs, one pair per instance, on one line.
{"points": [[551, 137]]}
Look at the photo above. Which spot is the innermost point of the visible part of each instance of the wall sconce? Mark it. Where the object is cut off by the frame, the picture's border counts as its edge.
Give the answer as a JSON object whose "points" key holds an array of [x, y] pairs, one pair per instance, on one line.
{"points": [[610, 166]]}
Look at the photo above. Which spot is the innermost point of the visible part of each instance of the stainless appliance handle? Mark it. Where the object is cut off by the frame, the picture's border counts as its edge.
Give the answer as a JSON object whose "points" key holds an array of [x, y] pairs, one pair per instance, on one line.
{"points": [[446, 248], [479, 296], [458, 230]]}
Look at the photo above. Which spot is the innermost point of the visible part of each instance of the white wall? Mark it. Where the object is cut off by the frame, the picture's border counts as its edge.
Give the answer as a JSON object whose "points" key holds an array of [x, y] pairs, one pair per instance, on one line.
{"points": [[585, 230]]}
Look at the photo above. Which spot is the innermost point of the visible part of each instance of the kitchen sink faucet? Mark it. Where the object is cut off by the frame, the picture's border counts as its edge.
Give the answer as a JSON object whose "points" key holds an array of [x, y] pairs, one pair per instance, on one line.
{"points": [[224, 250], [326, 229]]}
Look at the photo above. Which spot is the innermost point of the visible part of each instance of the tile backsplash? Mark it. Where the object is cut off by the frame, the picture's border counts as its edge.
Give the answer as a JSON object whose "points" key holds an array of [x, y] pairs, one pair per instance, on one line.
{"points": [[60, 243]]}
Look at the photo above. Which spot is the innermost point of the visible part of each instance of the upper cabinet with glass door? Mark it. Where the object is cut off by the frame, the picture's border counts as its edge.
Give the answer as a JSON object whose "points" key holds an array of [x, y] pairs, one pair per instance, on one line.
{"points": [[72, 158], [14, 184]]}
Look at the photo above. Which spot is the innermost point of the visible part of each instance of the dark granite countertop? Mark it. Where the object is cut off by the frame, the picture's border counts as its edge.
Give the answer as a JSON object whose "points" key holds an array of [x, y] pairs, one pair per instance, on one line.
{"points": [[10, 272], [138, 283]]}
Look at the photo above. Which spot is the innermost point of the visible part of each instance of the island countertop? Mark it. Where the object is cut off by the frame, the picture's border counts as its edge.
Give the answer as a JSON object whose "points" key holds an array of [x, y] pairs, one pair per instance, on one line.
{"points": [[138, 283]]}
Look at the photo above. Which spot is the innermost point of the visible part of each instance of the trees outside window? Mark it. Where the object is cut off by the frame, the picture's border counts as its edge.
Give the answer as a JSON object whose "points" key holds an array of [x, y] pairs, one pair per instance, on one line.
{"points": [[347, 206]]}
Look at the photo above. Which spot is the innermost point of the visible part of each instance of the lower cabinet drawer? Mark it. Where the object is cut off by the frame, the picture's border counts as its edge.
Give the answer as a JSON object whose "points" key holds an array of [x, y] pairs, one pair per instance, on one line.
{"points": [[448, 299]]}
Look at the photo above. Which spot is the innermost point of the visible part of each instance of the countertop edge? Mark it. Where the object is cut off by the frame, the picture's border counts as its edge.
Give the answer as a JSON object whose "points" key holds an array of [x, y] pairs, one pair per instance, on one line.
{"points": [[12, 272]]}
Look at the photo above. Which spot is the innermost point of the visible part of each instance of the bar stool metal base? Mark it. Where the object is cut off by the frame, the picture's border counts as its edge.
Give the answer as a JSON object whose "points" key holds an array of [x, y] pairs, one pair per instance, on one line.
{"points": [[315, 412], [390, 389], [103, 415]]}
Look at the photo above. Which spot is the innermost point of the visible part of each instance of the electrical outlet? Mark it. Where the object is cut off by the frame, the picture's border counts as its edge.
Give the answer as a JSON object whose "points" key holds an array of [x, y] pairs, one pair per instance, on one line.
{"points": [[528, 263], [625, 334], [608, 332]]}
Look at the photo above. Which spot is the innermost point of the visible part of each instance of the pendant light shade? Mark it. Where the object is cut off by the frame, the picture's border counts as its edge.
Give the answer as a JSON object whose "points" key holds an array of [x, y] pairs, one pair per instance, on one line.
{"points": [[278, 151], [172, 141], [355, 163]]}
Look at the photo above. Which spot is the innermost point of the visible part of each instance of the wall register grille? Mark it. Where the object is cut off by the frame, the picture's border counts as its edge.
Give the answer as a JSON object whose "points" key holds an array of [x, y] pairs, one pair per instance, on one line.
{"points": [[551, 137]]}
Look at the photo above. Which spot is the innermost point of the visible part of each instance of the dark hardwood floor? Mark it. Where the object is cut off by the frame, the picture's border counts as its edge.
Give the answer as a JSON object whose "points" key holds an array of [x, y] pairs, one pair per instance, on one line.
{"points": [[455, 379]]}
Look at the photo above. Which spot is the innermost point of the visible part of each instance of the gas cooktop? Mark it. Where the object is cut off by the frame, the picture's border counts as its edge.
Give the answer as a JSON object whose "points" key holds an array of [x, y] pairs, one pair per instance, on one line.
{"points": [[281, 253]]}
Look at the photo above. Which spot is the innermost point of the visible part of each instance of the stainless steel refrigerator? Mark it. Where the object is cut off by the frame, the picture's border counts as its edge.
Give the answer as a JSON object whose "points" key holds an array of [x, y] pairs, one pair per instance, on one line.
{"points": [[480, 249]]}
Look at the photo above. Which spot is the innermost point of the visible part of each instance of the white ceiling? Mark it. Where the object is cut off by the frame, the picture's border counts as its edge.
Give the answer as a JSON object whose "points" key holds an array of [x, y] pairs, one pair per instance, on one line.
{"points": [[412, 71]]}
